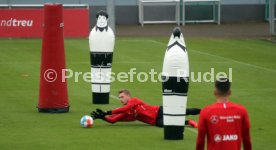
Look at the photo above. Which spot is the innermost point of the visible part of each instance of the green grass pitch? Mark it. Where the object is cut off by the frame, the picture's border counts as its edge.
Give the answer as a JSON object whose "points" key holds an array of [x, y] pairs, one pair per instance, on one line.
{"points": [[253, 64]]}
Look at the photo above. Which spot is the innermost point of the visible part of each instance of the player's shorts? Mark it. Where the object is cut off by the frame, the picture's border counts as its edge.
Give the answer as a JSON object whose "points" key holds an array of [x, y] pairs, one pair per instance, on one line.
{"points": [[159, 119]]}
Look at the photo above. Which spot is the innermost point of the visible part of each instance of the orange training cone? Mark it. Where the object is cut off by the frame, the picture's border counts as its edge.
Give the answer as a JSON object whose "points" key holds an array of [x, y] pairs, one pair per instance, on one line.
{"points": [[53, 97]]}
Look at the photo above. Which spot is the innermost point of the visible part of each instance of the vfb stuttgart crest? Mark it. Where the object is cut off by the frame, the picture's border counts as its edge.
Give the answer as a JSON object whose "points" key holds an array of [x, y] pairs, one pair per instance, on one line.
{"points": [[217, 138], [214, 119]]}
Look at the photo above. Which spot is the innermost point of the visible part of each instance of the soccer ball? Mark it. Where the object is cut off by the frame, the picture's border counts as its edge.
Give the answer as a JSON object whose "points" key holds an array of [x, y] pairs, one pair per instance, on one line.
{"points": [[86, 121]]}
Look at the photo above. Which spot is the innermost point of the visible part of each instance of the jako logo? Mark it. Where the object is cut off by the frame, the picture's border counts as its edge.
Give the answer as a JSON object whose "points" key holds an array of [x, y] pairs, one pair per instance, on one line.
{"points": [[231, 137], [16, 23]]}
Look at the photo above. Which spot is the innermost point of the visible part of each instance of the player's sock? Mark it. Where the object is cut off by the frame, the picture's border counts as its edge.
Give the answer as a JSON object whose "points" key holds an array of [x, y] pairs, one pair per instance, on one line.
{"points": [[192, 123], [192, 111]]}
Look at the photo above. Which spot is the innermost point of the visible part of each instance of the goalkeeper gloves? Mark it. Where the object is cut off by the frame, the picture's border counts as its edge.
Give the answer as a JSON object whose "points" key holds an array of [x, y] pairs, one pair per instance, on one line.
{"points": [[103, 112], [96, 115], [100, 114]]}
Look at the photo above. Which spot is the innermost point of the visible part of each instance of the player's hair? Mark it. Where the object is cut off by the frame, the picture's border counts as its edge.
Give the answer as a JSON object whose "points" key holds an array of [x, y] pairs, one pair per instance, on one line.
{"points": [[223, 86], [101, 13], [124, 91]]}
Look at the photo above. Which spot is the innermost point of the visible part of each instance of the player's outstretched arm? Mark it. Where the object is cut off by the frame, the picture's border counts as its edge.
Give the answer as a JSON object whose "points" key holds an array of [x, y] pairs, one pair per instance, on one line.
{"points": [[114, 118], [105, 115], [124, 108]]}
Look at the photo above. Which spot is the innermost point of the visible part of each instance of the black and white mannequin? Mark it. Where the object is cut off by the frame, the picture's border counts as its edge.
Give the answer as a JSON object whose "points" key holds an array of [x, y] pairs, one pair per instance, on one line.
{"points": [[101, 43], [175, 86]]}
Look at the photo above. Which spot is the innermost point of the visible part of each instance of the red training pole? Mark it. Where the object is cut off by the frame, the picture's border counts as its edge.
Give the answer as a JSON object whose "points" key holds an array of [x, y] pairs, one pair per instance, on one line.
{"points": [[53, 97]]}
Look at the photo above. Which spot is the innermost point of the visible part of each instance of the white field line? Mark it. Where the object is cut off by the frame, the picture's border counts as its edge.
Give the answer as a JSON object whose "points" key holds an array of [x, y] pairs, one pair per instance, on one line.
{"points": [[114, 97], [238, 62], [217, 56], [192, 130], [225, 58]]}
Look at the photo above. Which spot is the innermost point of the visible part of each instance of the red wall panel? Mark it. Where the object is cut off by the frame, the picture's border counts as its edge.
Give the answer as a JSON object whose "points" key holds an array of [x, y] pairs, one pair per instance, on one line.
{"points": [[29, 22]]}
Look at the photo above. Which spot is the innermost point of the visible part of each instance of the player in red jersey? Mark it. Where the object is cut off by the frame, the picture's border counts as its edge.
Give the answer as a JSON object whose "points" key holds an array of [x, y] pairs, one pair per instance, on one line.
{"points": [[136, 109], [225, 123]]}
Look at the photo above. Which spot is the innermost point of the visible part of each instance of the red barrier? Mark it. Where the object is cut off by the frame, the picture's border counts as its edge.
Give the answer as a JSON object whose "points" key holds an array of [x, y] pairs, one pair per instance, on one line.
{"points": [[53, 96], [28, 22]]}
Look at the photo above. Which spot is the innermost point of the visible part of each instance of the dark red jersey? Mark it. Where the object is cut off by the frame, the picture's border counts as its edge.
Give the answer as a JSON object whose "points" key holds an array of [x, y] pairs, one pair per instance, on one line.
{"points": [[226, 125], [135, 109]]}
